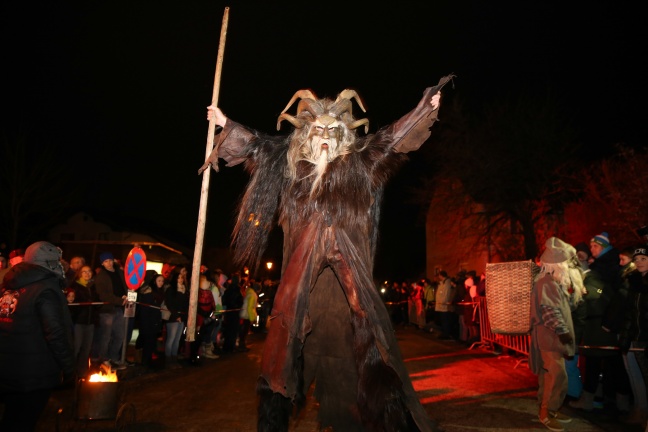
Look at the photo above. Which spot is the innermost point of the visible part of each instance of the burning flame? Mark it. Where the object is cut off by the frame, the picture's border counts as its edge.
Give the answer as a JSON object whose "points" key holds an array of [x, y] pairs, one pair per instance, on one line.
{"points": [[104, 375]]}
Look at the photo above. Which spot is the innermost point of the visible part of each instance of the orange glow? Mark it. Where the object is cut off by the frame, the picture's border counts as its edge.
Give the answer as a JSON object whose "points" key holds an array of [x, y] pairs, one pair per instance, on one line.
{"points": [[104, 375], [103, 378], [112, 377]]}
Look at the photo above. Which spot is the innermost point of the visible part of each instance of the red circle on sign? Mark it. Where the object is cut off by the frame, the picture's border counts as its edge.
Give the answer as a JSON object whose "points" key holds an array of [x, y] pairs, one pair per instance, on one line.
{"points": [[135, 268]]}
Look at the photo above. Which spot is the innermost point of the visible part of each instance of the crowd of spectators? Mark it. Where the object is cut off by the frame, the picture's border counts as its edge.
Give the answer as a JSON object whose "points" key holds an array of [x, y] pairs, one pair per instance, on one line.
{"points": [[228, 309], [447, 306], [607, 318]]}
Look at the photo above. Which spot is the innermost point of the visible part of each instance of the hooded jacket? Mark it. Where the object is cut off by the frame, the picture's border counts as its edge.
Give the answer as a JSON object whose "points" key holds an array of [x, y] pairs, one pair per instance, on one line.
{"points": [[36, 345]]}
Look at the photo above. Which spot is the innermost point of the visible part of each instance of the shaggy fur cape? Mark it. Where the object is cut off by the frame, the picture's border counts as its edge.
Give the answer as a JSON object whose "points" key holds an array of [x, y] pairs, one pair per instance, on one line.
{"points": [[330, 325]]}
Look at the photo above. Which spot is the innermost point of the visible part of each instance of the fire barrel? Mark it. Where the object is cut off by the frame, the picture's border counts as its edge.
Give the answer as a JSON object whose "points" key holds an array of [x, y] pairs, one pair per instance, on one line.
{"points": [[97, 400]]}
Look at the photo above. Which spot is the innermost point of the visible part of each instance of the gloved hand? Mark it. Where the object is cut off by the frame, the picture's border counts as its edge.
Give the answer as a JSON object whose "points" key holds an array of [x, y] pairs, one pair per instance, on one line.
{"points": [[565, 338]]}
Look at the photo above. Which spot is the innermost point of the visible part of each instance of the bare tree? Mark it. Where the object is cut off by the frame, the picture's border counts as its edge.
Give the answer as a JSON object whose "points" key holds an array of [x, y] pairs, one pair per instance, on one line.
{"points": [[507, 160], [614, 199]]}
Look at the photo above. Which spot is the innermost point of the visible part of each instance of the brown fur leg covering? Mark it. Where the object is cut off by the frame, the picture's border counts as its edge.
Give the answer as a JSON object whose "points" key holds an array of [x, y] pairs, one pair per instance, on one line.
{"points": [[274, 410], [380, 396]]}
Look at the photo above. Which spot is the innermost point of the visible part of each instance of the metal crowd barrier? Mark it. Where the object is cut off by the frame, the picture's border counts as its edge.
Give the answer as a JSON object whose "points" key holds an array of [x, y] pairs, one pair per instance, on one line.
{"points": [[490, 340]]}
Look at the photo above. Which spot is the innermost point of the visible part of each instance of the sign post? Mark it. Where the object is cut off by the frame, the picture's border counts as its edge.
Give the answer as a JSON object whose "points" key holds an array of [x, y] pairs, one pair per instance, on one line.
{"points": [[134, 273]]}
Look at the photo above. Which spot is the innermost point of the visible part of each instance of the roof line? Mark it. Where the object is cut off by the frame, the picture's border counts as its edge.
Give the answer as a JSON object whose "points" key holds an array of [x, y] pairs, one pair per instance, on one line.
{"points": [[122, 242]]}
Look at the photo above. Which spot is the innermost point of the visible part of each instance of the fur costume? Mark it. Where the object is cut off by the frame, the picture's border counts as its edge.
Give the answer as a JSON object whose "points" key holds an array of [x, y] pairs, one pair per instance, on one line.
{"points": [[330, 325]]}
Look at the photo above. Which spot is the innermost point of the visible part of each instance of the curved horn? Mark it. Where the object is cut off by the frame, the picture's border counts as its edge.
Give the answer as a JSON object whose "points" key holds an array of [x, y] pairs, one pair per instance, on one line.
{"points": [[343, 105], [311, 106], [360, 122], [300, 94], [340, 106], [293, 120], [348, 94]]}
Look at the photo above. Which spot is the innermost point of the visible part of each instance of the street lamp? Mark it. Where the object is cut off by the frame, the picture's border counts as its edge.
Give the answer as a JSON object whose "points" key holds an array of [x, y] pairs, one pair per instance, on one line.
{"points": [[269, 266]]}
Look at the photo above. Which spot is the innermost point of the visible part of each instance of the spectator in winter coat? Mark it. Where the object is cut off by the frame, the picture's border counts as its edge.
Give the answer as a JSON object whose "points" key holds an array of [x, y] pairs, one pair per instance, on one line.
{"points": [[36, 346], [110, 334], [205, 321], [606, 261], [232, 301], [150, 297], [248, 314], [444, 306], [176, 298], [634, 334], [84, 316], [605, 298]]}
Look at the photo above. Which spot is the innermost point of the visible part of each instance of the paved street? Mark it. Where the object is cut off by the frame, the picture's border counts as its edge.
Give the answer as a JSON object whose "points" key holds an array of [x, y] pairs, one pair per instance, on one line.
{"points": [[463, 389]]}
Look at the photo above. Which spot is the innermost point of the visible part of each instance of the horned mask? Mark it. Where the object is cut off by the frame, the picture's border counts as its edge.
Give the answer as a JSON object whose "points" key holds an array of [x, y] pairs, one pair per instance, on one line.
{"points": [[324, 130], [312, 109]]}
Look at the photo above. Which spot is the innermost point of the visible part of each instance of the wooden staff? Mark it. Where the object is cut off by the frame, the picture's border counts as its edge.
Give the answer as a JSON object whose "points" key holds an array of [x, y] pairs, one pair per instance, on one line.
{"points": [[204, 192]]}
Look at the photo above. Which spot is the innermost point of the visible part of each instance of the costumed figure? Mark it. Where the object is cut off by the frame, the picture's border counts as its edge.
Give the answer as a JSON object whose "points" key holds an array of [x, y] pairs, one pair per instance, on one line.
{"points": [[557, 290], [323, 184]]}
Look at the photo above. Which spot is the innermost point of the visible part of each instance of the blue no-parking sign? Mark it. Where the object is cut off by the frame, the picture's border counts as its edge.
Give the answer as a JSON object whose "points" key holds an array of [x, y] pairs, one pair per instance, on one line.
{"points": [[135, 268]]}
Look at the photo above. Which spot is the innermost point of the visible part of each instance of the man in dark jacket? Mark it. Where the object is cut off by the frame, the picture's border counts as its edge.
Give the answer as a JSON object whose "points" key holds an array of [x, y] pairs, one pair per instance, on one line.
{"points": [[111, 332], [36, 345], [604, 308]]}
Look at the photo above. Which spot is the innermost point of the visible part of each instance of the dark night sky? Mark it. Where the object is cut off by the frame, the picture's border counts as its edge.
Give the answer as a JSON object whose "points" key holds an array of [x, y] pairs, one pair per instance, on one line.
{"points": [[121, 87]]}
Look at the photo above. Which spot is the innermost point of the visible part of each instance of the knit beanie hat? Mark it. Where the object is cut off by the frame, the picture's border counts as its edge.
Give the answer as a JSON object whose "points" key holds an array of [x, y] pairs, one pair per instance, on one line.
{"points": [[46, 255], [640, 251], [602, 239], [557, 251], [103, 256]]}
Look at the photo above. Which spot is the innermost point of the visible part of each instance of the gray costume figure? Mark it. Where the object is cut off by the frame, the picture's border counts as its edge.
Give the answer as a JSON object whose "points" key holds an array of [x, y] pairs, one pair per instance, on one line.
{"points": [[552, 332]]}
